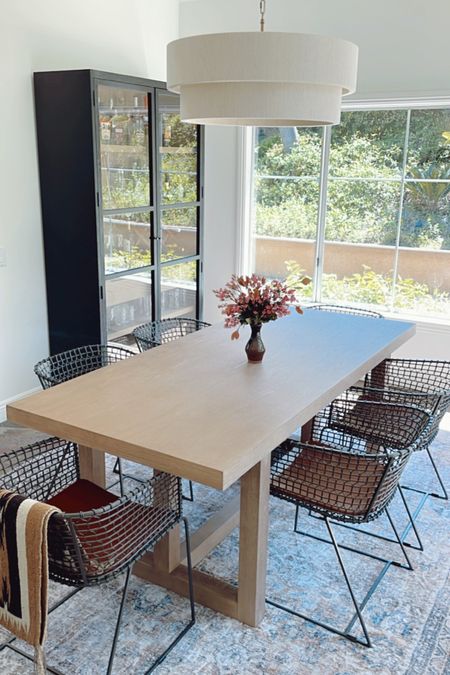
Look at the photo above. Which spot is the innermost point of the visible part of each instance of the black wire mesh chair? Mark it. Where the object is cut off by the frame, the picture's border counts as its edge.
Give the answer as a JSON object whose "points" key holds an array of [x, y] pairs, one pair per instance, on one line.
{"points": [[156, 333], [418, 377], [349, 479], [354, 423], [78, 361], [343, 309], [98, 535]]}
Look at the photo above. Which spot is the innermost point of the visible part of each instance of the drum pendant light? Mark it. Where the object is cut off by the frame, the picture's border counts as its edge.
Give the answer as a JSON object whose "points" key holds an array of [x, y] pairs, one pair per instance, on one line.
{"points": [[261, 78]]}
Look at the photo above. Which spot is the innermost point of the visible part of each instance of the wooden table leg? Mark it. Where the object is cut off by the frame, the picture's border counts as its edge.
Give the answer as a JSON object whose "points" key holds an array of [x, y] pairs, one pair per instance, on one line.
{"points": [[92, 465], [378, 375], [306, 432], [166, 554], [254, 523], [247, 602]]}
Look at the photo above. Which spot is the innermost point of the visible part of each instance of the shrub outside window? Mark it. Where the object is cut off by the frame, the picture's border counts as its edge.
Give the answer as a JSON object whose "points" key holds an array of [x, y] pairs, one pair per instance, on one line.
{"points": [[363, 207]]}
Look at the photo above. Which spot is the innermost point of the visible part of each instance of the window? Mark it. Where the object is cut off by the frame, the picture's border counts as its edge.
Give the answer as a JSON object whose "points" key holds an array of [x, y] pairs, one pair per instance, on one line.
{"points": [[363, 207]]}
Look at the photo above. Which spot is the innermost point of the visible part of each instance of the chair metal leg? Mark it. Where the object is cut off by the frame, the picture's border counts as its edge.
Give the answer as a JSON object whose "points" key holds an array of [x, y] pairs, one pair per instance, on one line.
{"points": [[346, 634], [119, 621], [347, 581], [189, 625], [381, 575], [10, 645], [116, 466], [119, 465], [189, 498], [436, 495], [412, 517], [373, 556], [399, 540], [444, 494], [117, 469], [297, 512]]}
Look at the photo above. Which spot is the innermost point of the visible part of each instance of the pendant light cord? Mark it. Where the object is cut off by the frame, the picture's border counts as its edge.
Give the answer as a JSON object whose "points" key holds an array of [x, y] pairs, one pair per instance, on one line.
{"points": [[262, 11]]}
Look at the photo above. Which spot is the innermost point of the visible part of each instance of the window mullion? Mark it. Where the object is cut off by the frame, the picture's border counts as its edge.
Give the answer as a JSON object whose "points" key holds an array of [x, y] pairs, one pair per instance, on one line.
{"points": [[321, 214], [400, 210]]}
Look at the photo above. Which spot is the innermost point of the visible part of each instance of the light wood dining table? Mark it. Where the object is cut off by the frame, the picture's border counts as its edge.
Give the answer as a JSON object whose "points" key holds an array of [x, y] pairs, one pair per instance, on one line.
{"points": [[196, 408]]}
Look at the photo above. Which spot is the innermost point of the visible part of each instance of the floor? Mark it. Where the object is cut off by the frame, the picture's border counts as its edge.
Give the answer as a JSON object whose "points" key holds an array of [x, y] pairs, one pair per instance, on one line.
{"points": [[408, 618]]}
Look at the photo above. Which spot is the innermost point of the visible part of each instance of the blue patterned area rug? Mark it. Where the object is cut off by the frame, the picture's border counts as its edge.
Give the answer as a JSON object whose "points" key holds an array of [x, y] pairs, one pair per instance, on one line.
{"points": [[432, 653], [408, 618]]}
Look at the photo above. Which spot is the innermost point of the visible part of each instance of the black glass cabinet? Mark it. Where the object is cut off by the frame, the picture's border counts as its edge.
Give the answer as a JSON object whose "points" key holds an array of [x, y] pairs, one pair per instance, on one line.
{"points": [[121, 182]]}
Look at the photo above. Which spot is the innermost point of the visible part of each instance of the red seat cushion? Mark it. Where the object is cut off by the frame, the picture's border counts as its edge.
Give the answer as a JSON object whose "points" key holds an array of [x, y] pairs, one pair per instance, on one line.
{"points": [[108, 540], [82, 496]]}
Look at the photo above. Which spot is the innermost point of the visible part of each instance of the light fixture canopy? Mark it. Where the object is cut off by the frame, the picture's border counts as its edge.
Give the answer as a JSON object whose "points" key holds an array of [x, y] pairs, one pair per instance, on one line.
{"points": [[261, 78]]}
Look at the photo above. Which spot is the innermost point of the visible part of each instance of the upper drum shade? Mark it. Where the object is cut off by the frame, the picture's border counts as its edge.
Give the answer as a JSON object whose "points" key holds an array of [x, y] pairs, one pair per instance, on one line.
{"points": [[261, 79]]}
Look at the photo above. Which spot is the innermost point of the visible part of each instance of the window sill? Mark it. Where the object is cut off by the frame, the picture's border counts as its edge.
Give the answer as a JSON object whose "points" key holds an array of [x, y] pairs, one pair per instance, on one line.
{"points": [[431, 322]]}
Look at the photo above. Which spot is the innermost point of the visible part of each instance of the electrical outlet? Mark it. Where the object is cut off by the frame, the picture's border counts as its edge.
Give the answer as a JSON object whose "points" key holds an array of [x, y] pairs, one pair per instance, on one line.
{"points": [[2, 257]]}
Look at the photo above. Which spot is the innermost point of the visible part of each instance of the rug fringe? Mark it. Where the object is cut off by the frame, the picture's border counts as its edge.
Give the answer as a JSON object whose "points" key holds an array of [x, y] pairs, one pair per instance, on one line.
{"points": [[39, 661]]}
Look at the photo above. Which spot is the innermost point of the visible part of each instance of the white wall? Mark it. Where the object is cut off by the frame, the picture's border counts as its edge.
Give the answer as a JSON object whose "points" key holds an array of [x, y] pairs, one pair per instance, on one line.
{"points": [[124, 37], [404, 51], [220, 212]]}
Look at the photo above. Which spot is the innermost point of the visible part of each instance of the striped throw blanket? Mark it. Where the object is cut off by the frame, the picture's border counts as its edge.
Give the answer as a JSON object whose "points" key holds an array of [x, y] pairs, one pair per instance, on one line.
{"points": [[24, 569]]}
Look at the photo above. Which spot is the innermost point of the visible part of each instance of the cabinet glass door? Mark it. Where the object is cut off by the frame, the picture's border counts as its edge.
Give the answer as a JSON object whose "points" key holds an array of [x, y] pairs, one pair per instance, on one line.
{"points": [[179, 210], [129, 300], [150, 208], [125, 158], [124, 146]]}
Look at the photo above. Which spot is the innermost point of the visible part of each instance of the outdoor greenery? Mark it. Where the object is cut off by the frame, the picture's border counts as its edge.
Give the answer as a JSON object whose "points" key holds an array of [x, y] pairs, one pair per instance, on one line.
{"points": [[125, 177], [367, 146], [367, 165], [370, 288], [138, 258], [178, 157]]}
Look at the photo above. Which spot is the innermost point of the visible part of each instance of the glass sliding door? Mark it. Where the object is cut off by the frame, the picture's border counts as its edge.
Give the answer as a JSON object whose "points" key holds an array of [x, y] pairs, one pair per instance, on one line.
{"points": [[179, 190]]}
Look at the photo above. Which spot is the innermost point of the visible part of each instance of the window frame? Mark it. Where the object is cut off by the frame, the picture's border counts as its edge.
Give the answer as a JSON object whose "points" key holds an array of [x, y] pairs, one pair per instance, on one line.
{"points": [[246, 211]]}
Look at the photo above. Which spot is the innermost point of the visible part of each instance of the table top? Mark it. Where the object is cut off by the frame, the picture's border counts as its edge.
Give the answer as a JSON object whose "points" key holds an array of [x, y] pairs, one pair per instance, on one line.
{"points": [[195, 407]]}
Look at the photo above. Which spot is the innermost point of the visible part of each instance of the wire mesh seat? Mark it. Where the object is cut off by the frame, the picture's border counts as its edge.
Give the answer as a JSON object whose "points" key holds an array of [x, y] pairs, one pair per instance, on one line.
{"points": [[417, 380], [343, 309], [416, 377], [79, 361], [98, 535], [383, 422], [156, 333], [354, 422], [425, 383], [349, 478]]}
